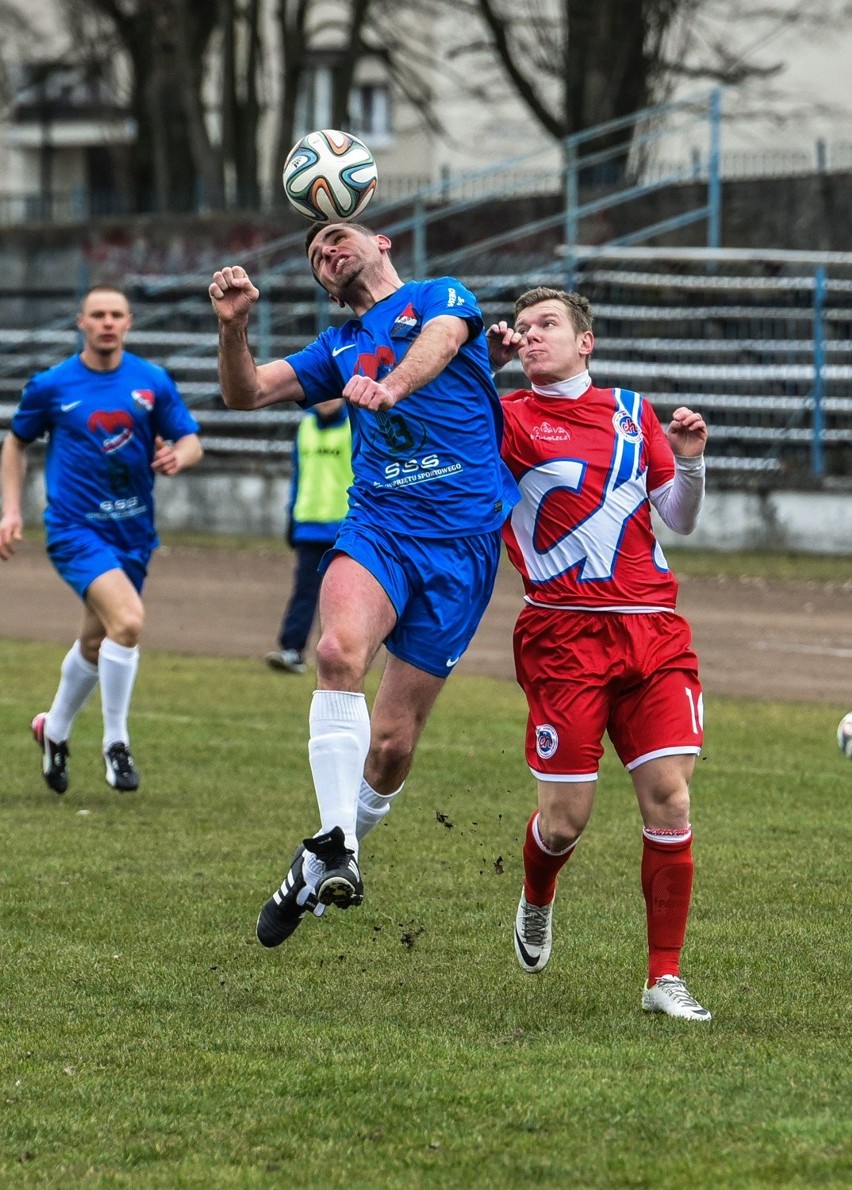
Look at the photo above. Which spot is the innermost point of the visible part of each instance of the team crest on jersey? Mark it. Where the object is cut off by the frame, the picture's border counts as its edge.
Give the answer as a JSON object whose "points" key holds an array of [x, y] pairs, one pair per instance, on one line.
{"points": [[143, 397], [625, 426], [546, 740], [115, 427], [407, 318], [548, 433]]}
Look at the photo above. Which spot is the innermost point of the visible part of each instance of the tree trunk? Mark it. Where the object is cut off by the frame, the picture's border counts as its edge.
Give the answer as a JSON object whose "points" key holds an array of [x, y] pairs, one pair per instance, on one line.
{"points": [[189, 42], [245, 152], [292, 19], [344, 72]]}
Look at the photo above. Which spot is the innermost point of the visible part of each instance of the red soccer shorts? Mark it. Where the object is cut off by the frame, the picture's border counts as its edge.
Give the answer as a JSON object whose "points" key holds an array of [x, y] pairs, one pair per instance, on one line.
{"points": [[634, 677]]}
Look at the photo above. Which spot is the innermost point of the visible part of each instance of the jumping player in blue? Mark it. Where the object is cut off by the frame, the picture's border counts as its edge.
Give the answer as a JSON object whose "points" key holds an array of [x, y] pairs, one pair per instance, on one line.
{"points": [[114, 422], [416, 559]]}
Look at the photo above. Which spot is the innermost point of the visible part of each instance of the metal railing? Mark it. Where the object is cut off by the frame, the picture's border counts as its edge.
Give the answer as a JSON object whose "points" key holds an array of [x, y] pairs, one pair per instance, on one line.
{"points": [[760, 341], [774, 328]]}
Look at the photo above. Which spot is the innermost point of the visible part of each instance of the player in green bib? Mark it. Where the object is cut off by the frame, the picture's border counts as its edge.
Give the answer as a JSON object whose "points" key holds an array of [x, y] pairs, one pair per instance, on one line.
{"points": [[319, 499]]}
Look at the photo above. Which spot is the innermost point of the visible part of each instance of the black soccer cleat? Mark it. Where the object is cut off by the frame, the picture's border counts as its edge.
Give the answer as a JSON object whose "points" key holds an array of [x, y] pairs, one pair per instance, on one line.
{"points": [[121, 772], [285, 909], [54, 764], [340, 883]]}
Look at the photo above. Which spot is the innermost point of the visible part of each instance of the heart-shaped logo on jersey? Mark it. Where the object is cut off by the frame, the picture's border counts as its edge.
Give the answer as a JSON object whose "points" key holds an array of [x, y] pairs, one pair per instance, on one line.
{"points": [[115, 425]]}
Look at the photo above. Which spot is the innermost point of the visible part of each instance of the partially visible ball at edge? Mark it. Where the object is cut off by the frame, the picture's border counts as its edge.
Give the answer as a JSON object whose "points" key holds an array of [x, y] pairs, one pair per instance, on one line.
{"points": [[844, 735]]}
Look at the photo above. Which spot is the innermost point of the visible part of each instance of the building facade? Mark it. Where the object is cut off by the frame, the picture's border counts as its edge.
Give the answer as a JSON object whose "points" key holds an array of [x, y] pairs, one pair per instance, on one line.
{"points": [[429, 103]]}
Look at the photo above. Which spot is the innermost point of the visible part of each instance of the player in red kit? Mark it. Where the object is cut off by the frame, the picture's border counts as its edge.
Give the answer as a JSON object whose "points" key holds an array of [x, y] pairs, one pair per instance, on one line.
{"points": [[598, 644]]}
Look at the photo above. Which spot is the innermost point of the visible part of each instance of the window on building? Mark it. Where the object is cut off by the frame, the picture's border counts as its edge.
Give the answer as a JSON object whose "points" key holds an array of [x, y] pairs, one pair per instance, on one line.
{"points": [[313, 107], [369, 106], [72, 88], [369, 110]]}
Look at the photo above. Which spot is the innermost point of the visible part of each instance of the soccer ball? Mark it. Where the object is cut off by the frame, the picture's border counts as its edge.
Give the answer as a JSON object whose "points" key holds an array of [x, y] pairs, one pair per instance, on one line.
{"points": [[329, 176], [844, 735]]}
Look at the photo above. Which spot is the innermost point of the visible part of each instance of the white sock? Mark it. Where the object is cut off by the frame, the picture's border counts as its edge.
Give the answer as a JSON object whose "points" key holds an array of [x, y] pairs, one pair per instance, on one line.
{"points": [[372, 808], [338, 747], [117, 666], [78, 679]]}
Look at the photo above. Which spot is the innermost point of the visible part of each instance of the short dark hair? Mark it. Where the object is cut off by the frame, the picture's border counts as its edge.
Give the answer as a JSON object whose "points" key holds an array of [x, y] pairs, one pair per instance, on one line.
{"points": [[316, 228], [579, 308]]}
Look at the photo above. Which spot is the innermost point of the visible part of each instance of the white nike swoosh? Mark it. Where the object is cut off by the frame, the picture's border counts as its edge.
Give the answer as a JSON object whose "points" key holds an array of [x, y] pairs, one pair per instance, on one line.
{"points": [[345, 347], [68, 408], [453, 661]]}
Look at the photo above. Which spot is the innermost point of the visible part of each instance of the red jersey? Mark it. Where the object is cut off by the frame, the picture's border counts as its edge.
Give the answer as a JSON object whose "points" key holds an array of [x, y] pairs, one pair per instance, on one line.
{"points": [[581, 535]]}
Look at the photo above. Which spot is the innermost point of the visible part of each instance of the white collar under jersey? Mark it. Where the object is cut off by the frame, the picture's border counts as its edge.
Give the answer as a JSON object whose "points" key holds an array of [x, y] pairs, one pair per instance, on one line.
{"points": [[574, 387]]}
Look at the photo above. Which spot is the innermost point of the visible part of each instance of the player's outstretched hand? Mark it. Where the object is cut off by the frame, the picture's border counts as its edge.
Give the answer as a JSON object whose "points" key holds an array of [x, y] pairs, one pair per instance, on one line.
{"points": [[687, 433], [368, 394], [503, 343], [11, 531], [232, 294]]}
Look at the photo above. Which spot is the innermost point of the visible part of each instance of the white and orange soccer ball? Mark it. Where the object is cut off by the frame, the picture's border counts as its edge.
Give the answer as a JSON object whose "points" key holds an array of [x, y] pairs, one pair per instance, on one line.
{"points": [[329, 176], [844, 735]]}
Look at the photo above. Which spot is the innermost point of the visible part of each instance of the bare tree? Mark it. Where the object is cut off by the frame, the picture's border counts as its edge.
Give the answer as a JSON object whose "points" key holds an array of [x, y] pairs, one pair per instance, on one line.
{"points": [[575, 64], [164, 42], [177, 163], [293, 32], [241, 57], [344, 32], [188, 36], [16, 29]]}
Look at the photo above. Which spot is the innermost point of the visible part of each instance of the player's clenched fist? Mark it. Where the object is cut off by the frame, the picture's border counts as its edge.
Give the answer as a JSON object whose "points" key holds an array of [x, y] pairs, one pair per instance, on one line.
{"points": [[503, 344], [11, 531], [687, 433], [368, 394], [232, 293]]}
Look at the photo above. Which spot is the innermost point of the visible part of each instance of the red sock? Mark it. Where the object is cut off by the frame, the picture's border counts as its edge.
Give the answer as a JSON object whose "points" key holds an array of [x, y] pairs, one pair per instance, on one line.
{"points": [[541, 867], [667, 884]]}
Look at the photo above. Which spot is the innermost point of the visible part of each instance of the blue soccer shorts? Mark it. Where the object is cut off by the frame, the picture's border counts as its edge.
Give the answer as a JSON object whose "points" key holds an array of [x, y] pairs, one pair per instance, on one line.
{"points": [[80, 555], [439, 589]]}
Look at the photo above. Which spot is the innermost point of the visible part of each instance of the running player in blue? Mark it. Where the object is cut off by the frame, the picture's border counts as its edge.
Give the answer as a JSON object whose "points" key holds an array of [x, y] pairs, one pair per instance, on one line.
{"points": [[415, 561], [114, 422]]}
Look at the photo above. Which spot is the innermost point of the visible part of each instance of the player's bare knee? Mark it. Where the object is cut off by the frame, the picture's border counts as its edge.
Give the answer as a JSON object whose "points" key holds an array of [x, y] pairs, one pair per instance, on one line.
{"points": [[339, 665], [127, 629], [559, 832], [560, 840], [90, 645], [668, 809]]}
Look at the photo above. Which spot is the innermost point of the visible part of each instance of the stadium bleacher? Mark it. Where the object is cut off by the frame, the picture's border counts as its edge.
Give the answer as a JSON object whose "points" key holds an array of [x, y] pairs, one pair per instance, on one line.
{"points": [[734, 338]]}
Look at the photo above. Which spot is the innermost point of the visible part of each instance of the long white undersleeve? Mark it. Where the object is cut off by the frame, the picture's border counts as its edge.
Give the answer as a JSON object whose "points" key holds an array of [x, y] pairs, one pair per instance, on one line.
{"points": [[679, 502]]}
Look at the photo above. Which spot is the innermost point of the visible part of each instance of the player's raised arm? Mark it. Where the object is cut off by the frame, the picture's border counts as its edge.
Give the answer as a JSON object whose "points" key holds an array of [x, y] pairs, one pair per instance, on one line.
{"points": [[243, 383]]}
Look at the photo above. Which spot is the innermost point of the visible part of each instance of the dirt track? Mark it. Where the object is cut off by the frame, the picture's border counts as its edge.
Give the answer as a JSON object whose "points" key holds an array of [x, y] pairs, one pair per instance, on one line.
{"points": [[788, 641]]}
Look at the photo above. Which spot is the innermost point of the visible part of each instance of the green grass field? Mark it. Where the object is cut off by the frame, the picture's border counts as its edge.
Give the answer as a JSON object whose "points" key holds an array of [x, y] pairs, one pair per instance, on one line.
{"points": [[146, 1040]]}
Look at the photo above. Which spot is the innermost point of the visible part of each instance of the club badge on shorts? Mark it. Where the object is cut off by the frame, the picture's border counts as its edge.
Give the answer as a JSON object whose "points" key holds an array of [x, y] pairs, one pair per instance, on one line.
{"points": [[546, 740]]}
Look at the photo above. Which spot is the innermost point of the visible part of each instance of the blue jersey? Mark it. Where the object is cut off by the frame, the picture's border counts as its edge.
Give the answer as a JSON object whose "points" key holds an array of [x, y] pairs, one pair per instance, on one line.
{"points": [[102, 427], [430, 466]]}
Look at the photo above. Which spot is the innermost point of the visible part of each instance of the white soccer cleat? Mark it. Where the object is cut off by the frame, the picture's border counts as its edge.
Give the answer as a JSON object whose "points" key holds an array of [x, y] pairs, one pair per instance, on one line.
{"points": [[669, 995], [533, 934]]}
